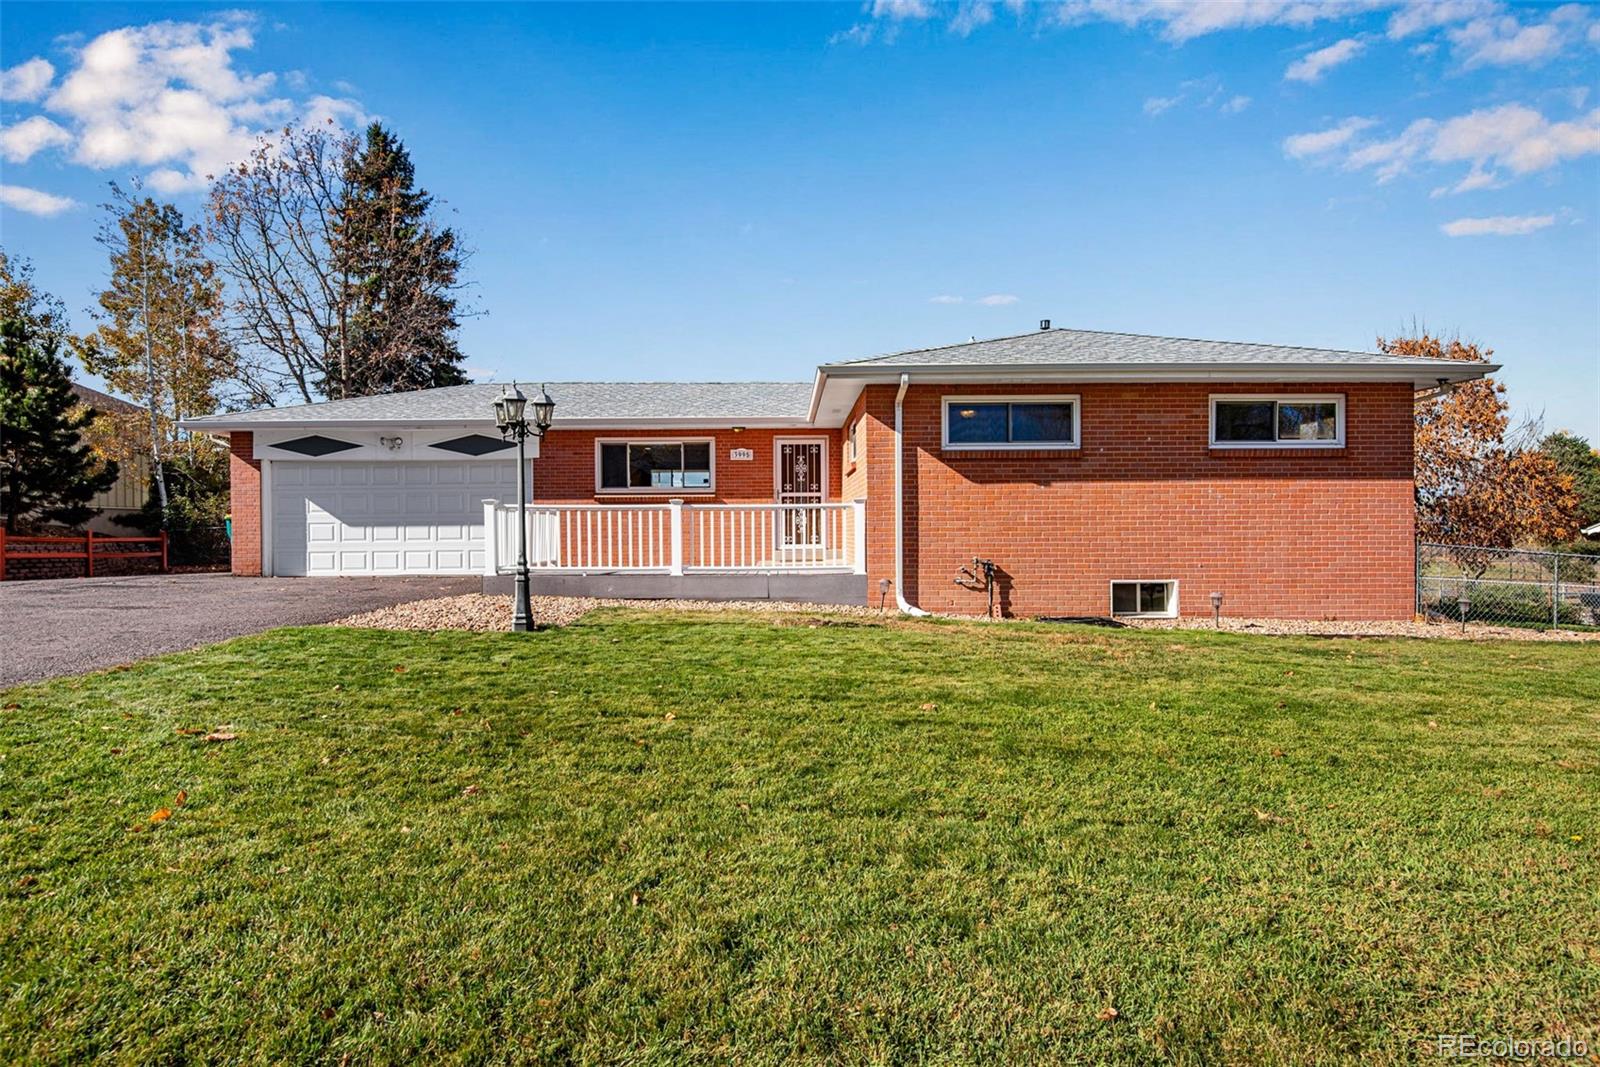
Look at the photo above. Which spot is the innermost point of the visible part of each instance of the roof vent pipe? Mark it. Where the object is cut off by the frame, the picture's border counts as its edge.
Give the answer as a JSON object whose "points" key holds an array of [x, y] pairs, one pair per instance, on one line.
{"points": [[1044, 324]]}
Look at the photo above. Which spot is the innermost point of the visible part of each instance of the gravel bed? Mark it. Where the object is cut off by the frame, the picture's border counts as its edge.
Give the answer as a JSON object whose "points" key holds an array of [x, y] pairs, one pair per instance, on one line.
{"points": [[478, 611], [1378, 628]]}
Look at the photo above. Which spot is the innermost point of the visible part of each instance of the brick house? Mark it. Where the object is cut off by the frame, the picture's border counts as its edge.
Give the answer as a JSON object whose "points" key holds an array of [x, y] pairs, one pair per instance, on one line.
{"points": [[1097, 473]]}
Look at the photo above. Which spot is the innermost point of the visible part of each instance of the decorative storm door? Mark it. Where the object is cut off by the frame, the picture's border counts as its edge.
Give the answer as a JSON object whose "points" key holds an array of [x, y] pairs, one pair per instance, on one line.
{"points": [[800, 471]]}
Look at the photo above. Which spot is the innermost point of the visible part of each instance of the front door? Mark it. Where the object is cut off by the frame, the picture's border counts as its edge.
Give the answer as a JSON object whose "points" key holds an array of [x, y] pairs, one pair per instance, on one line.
{"points": [[801, 469]]}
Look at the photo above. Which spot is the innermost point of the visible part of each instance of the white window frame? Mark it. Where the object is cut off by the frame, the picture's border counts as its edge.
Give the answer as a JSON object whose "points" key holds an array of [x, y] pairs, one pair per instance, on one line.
{"points": [[851, 449], [1172, 598], [945, 403], [601, 490], [1336, 399]]}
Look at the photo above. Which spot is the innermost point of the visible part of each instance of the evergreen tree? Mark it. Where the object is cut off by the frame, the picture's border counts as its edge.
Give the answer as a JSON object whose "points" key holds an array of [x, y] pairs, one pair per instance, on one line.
{"points": [[47, 471], [402, 272]]}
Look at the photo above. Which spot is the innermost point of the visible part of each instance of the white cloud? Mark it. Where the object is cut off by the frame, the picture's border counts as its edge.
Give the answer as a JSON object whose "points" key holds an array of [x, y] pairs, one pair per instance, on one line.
{"points": [[1512, 138], [970, 16], [1184, 20], [946, 298], [994, 300], [1311, 68], [1391, 158], [1415, 16], [26, 81], [1235, 105], [1155, 105], [1517, 138], [21, 141], [1321, 142], [1476, 179], [33, 201], [170, 98], [860, 33], [1497, 226], [901, 10], [1505, 41]]}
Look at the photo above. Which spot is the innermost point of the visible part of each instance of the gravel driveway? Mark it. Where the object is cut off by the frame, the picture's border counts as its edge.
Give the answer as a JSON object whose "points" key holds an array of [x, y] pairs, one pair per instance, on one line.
{"points": [[68, 626]]}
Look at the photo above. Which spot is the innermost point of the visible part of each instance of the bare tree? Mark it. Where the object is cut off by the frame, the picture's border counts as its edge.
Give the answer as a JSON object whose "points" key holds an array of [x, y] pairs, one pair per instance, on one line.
{"points": [[273, 225]]}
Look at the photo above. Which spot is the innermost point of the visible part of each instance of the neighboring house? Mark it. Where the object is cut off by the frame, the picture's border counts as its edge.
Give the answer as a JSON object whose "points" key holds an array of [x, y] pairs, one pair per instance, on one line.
{"points": [[1101, 473], [127, 497], [1592, 531]]}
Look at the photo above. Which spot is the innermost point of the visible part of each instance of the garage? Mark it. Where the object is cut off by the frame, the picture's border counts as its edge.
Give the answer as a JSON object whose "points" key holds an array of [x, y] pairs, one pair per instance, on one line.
{"points": [[366, 518]]}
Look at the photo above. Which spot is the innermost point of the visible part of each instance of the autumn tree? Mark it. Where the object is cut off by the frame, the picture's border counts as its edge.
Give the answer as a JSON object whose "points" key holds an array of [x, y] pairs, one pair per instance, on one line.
{"points": [[1574, 456], [403, 273], [159, 336], [1478, 480], [47, 470]]}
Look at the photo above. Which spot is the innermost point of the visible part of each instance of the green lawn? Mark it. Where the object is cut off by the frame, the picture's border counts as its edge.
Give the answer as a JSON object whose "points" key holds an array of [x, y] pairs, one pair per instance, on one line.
{"points": [[652, 838]]}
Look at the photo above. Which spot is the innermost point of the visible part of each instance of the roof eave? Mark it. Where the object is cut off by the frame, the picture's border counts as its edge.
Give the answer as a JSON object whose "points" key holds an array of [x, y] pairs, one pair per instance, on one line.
{"points": [[223, 425], [1419, 375]]}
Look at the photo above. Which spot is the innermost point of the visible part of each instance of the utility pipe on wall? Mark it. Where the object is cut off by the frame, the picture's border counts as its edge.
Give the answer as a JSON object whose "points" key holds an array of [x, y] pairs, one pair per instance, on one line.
{"points": [[900, 503]]}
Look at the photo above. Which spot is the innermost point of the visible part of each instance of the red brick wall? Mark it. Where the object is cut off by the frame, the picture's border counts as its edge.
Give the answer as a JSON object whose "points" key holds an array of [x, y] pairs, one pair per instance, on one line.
{"points": [[244, 485], [1309, 534], [564, 472]]}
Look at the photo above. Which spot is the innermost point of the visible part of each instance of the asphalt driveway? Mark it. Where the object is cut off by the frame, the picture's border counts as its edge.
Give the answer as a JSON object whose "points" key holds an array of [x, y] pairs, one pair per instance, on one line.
{"points": [[69, 626]]}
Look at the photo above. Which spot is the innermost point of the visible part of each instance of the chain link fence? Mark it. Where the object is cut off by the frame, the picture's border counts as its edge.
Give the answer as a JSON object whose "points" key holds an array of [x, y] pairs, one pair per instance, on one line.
{"points": [[1507, 586]]}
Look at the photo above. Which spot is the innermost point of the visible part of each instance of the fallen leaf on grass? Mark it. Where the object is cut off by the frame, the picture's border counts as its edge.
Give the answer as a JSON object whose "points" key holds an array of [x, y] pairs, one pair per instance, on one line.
{"points": [[1105, 1015], [161, 815], [13, 706], [1432, 725], [220, 735], [1277, 753], [187, 731], [399, 670], [471, 791], [181, 799], [929, 706], [670, 716]]}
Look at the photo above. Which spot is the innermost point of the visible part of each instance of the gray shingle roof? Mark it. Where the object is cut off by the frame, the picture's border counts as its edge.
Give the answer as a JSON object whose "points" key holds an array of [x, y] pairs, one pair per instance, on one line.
{"points": [[574, 400], [1069, 347]]}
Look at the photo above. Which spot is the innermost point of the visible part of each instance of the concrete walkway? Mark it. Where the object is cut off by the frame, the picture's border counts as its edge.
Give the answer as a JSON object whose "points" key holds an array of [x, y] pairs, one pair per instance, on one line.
{"points": [[72, 625]]}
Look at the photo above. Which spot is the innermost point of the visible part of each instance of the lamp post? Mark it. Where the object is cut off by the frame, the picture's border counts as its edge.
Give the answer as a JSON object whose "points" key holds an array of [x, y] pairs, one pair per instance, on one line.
{"points": [[510, 415]]}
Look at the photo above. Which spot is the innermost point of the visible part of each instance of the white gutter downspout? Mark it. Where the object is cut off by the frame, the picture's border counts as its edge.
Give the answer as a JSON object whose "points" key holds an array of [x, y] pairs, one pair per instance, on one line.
{"points": [[900, 504]]}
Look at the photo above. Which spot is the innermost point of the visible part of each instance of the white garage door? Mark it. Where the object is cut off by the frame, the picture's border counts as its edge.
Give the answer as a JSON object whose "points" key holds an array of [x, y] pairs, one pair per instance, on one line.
{"points": [[384, 518]]}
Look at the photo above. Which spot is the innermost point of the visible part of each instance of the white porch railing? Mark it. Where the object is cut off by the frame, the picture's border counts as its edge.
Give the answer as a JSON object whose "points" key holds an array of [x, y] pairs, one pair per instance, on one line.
{"points": [[679, 538]]}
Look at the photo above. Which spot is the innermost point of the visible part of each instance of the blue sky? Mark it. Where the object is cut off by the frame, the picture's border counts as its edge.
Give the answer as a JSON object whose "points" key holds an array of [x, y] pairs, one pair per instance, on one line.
{"points": [[728, 192]]}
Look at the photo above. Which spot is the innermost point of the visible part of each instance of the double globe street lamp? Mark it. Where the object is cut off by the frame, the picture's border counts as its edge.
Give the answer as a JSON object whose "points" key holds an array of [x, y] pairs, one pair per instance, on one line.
{"points": [[510, 415]]}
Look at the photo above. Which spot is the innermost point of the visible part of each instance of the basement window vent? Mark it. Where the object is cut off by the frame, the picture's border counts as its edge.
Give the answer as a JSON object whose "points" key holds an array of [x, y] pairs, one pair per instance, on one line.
{"points": [[474, 444], [1145, 599], [315, 445]]}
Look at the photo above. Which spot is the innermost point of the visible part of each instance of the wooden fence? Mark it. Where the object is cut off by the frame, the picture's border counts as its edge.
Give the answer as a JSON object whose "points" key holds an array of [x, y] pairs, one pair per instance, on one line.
{"points": [[28, 557]]}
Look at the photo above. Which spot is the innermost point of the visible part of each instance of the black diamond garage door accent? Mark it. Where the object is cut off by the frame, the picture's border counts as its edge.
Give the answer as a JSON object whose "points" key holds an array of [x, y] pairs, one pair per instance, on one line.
{"points": [[475, 444], [315, 445]]}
